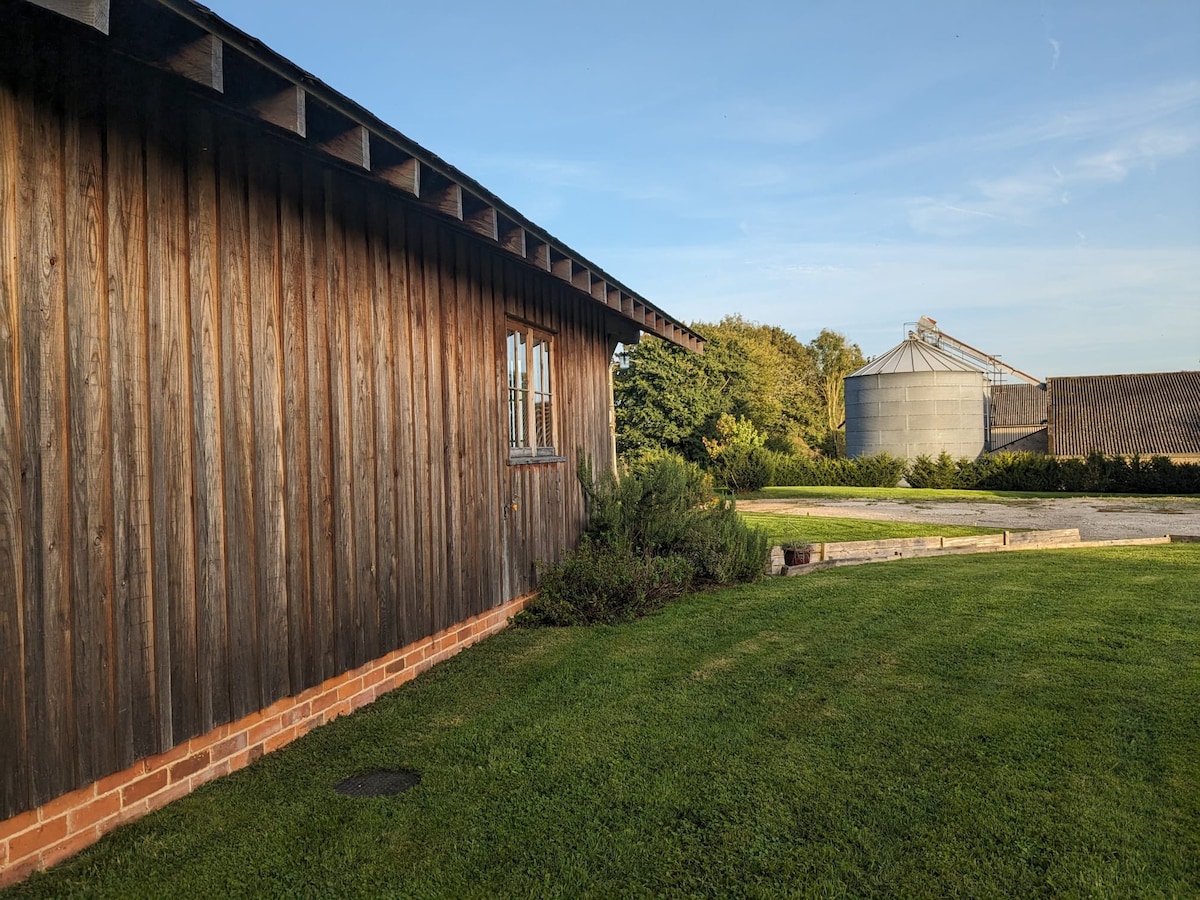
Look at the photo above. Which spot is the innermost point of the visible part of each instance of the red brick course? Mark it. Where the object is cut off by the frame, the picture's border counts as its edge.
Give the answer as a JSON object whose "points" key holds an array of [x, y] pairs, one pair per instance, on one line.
{"points": [[190, 766], [83, 816], [60, 828], [144, 787]]}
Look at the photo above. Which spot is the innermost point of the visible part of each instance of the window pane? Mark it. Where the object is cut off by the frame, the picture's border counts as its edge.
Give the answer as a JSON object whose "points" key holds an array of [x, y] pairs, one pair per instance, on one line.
{"points": [[530, 403], [522, 361], [541, 353], [517, 419], [512, 358], [545, 429]]}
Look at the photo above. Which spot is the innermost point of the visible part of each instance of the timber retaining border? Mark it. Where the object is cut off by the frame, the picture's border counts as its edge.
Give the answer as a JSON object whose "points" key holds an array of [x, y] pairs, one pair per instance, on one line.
{"points": [[854, 553]]}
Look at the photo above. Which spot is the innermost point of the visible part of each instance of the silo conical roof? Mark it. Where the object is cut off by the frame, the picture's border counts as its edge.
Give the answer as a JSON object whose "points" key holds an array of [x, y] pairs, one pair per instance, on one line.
{"points": [[914, 355]]}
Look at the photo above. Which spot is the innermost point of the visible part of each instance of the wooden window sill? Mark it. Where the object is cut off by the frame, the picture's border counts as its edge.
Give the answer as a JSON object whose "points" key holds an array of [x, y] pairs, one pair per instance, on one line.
{"points": [[534, 460]]}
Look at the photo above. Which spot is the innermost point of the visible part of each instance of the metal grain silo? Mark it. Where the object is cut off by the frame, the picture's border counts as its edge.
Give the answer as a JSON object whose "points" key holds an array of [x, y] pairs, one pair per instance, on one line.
{"points": [[913, 400]]}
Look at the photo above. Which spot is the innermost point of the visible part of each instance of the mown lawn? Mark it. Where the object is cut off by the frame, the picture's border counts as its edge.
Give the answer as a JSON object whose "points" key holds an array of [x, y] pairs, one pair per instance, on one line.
{"points": [[1017, 724], [784, 529], [916, 495]]}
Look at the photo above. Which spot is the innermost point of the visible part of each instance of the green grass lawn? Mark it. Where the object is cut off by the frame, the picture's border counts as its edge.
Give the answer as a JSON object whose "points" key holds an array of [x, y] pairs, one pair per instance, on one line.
{"points": [[1016, 724], [915, 495], [783, 529]]}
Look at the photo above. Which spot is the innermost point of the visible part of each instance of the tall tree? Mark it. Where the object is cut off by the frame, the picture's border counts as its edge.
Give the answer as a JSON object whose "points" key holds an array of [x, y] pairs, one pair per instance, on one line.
{"points": [[833, 359], [671, 399], [663, 399]]}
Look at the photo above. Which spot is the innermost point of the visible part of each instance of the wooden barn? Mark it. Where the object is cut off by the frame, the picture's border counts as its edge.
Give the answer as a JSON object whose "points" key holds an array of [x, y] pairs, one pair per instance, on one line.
{"points": [[289, 409]]}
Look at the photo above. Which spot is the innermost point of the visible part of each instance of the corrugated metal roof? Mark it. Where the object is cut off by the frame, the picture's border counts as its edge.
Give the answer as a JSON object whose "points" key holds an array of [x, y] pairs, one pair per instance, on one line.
{"points": [[914, 355], [1018, 404], [1149, 414]]}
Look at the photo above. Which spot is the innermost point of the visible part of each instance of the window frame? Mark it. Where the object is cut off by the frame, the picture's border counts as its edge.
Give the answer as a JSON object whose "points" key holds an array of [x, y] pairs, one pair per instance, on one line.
{"points": [[531, 388]]}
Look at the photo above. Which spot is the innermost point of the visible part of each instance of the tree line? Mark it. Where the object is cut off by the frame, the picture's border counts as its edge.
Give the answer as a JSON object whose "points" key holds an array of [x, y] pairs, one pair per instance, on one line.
{"points": [[754, 386]]}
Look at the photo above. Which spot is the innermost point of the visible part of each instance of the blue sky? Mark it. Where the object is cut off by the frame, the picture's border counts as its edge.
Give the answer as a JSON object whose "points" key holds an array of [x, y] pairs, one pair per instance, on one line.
{"points": [[1028, 174]]}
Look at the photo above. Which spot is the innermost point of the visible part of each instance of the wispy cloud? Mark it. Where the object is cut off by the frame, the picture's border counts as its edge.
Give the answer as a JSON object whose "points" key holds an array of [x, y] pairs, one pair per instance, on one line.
{"points": [[1056, 47], [1018, 197], [1100, 118], [1079, 296], [1144, 150]]}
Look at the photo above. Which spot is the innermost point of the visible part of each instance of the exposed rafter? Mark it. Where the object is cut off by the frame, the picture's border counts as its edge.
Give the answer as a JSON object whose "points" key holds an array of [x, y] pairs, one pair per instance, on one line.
{"points": [[242, 74]]}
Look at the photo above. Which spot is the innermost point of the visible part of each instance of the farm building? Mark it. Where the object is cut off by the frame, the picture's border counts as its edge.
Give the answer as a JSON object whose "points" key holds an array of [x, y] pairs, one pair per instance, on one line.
{"points": [[1148, 414], [916, 399], [933, 393], [1144, 414], [1017, 418], [289, 409]]}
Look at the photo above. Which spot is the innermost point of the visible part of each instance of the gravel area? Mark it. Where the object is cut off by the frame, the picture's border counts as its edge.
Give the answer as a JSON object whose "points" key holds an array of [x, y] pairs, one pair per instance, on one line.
{"points": [[1096, 519]]}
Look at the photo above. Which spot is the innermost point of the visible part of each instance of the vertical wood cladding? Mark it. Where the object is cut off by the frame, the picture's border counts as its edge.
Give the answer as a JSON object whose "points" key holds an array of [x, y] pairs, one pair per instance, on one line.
{"points": [[251, 420]]}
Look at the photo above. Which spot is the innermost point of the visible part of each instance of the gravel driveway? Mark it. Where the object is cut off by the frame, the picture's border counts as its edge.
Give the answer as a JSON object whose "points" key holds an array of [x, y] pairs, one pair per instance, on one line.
{"points": [[1096, 519]]}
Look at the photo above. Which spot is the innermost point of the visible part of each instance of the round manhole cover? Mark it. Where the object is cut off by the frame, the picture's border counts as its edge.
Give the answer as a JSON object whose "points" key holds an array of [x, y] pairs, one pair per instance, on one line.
{"points": [[379, 784]]}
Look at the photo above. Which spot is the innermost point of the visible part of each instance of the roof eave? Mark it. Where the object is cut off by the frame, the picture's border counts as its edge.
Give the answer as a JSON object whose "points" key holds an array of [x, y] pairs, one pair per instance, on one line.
{"points": [[243, 74]]}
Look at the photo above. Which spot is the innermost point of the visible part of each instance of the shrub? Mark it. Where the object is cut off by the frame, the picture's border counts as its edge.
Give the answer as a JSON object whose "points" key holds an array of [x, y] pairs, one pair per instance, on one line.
{"points": [[599, 584], [653, 534], [739, 456], [722, 548], [650, 508], [746, 469]]}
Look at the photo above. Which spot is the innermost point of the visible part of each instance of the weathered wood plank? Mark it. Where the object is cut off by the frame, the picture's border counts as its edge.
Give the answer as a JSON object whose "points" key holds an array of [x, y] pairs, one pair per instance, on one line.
{"points": [[471, 344], [491, 424], [143, 707], [28, 289], [296, 434], [345, 591], [436, 511], [404, 406], [207, 419], [15, 794], [270, 525], [50, 700], [452, 290], [237, 407], [385, 402], [90, 422], [316, 286], [504, 476], [542, 519], [360, 301], [425, 532], [170, 412]]}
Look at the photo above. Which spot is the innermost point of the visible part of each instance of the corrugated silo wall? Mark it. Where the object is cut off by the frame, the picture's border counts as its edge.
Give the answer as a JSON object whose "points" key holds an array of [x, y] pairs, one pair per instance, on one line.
{"points": [[913, 413]]}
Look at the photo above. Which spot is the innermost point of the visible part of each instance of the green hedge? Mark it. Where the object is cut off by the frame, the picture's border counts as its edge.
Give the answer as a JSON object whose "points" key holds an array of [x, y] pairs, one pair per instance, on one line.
{"points": [[759, 467], [1037, 472], [863, 471]]}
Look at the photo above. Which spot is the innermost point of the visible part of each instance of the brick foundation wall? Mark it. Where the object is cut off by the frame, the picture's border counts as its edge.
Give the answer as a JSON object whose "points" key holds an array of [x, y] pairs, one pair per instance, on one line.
{"points": [[61, 828]]}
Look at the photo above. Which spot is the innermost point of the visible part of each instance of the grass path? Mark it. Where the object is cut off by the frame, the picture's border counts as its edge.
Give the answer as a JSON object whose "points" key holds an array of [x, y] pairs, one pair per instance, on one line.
{"points": [[1010, 725]]}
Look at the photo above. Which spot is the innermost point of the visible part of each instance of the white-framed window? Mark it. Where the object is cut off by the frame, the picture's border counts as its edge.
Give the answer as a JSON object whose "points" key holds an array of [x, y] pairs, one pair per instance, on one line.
{"points": [[531, 426]]}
